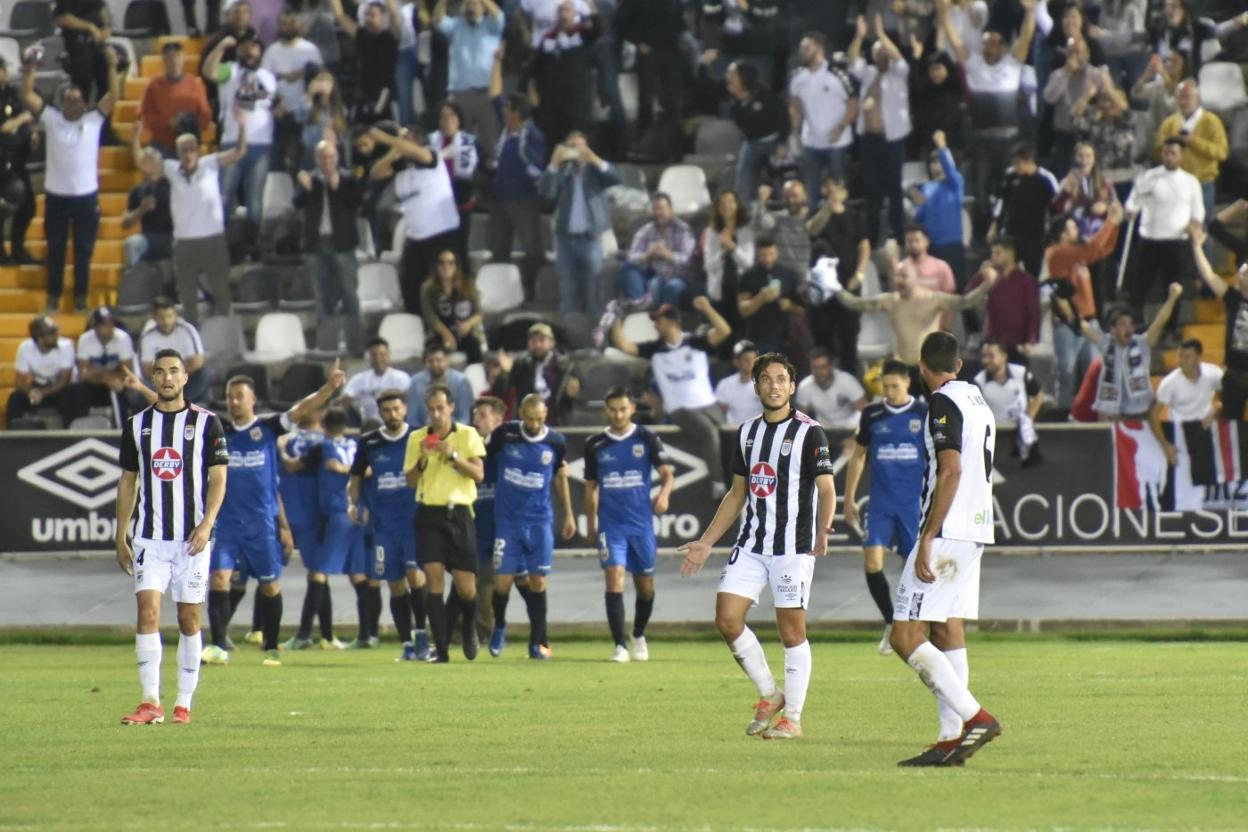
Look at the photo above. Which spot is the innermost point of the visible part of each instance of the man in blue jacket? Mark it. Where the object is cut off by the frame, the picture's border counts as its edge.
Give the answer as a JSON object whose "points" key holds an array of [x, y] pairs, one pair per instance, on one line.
{"points": [[939, 208]]}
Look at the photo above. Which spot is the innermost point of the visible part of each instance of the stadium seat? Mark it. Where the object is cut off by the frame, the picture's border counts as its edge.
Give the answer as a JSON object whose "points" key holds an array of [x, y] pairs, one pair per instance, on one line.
{"points": [[610, 244], [546, 285], [717, 138], [28, 423], [139, 285], [223, 338], [397, 237], [499, 287], [638, 328], [127, 46], [146, 19], [299, 380], [379, 288], [631, 176], [478, 232], [405, 333], [475, 373], [913, 173], [296, 292], [367, 249], [686, 185], [279, 196], [11, 52], [279, 337], [630, 95], [91, 423], [601, 377], [259, 375], [257, 290], [875, 337], [30, 20], [1239, 134], [577, 331], [1222, 86]]}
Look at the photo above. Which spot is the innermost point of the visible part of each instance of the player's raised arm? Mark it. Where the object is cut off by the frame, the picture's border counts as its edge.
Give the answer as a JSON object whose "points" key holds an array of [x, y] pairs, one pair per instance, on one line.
{"points": [[315, 401], [697, 551]]}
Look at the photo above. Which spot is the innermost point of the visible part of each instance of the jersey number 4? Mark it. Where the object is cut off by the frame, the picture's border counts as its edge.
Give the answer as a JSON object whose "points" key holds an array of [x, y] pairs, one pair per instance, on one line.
{"points": [[139, 558]]}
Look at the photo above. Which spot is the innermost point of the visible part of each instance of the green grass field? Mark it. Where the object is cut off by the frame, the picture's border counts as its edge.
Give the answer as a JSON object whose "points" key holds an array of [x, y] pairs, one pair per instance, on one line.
{"points": [[1098, 734]]}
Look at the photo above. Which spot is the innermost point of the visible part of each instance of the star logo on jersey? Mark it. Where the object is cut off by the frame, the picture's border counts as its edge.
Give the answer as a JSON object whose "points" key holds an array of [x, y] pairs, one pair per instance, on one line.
{"points": [[762, 480], [84, 474], [166, 464]]}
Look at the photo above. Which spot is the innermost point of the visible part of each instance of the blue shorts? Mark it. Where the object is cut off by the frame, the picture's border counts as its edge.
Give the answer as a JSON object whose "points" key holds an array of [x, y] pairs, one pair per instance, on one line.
{"points": [[635, 552], [891, 527], [524, 549], [341, 544], [397, 554], [307, 541], [252, 552]]}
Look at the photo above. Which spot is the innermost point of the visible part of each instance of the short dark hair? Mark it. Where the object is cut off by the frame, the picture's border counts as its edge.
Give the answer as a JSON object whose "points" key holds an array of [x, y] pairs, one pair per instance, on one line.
{"points": [[819, 352], [240, 379], [389, 394], [915, 228], [661, 195], [454, 108], [435, 345], [1192, 344], [817, 37], [766, 360], [1057, 228], [436, 390], [335, 419], [169, 353], [1175, 140], [893, 367], [617, 392], [518, 103], [994, 342], [493, 403], [1116, 312], [1005, 241], [163, 302], [1022, 152], [376, 341], [764, 241], [940, 352]]}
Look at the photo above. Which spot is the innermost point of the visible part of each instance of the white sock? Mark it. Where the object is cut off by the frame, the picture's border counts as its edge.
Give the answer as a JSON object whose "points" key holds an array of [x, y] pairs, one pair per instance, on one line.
{"points": [[938, 674], [796, 680], [148, 650], [950, 723], [749, 654], [190, 649]]}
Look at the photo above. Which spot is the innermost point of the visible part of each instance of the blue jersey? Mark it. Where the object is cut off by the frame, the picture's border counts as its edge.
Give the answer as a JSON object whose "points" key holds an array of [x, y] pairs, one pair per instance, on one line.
{"points": [[391, 502], [622, 468], [483, 509], [526, 468], [299, 490], [252, 493], [331, 487], [893, 437]]}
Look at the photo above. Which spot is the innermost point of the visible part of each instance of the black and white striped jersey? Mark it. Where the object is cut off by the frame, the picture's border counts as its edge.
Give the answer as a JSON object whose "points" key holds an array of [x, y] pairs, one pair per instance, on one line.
{"points": [[780, 461], [958, 419], [172, 452]]}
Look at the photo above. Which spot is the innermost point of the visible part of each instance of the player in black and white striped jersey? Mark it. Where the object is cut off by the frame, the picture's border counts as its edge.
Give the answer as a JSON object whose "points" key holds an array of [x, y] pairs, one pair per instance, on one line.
{"points": [[783, 491], [174, 462]]}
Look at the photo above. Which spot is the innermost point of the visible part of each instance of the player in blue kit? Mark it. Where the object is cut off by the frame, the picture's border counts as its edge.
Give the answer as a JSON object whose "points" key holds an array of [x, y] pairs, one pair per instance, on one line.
{"points": [[618, 464], [488, 412], [890, 446], [246, 534], [531, 465], [377, 480], [297, 488], [341, 539]]}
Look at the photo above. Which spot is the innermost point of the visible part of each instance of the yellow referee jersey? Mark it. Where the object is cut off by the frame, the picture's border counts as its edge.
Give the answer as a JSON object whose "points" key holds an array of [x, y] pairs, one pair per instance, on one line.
{"points": [[441, 484]]}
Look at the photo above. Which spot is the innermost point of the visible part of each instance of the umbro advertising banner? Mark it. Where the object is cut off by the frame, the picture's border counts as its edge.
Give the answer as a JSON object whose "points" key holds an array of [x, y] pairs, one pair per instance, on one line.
{"points": [[1093, 489]]}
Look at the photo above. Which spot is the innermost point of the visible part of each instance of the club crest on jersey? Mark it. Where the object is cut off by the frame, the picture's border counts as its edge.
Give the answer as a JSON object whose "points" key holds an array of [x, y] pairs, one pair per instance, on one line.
{"points": [[166, 464], [547, 457], [786, 447], [916, 425], [188, 432], [255, 434], [762, 480]]}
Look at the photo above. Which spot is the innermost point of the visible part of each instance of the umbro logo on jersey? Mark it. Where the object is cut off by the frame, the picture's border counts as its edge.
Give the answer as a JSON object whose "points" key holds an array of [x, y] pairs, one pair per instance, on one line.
{"points": [[762, 480], [166, 464], [147, 431]]}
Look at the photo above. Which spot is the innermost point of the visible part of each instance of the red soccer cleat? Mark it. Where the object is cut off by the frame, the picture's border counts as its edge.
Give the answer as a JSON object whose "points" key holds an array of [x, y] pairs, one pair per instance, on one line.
{"points": [[181, 716], [977, 732], [146, 714]]}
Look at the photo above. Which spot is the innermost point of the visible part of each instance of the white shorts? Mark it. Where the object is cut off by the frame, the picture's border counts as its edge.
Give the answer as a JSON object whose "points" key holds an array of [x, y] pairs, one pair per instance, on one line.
{"points": [[165, 566], [954, 593], [789, 577]]}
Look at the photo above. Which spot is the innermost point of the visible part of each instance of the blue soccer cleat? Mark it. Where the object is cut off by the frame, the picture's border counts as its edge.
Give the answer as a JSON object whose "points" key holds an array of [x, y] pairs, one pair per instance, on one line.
{"points": [[539, 651], [422, 647], [498, 640], [409, 653]]}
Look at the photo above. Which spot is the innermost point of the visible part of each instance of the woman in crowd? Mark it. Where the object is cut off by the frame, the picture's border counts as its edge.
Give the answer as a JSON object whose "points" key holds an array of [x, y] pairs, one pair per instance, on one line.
{"points": [[727, 247], [451, 308]]}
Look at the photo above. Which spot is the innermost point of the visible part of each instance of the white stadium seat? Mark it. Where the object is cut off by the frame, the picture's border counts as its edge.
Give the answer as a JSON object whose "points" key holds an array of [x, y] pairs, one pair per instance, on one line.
{"points": [[475, 373], [279, 337], [686, 185], [379, 288], [499, 287], [405, 333], [1222, 86], [638, 328]]}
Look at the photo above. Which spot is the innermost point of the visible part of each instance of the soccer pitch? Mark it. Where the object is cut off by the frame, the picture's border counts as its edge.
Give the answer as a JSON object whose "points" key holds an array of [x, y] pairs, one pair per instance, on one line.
{"points": [[1098, 734]]}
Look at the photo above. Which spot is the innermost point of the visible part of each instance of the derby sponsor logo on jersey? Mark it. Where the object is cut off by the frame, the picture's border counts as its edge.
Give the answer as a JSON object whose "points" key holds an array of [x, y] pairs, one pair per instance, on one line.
{"points": [[548, 457], [188, 433], [639, 451], [166, 464], [762, 480], [255, 434], [786, 447]]}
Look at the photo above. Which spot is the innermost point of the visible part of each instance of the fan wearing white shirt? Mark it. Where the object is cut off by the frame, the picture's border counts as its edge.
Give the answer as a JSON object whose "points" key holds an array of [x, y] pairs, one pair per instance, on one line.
{"points": [[1188, 394], [106, 361], [359, 394], [833, 397], [45, 372], [736, 394], [166, 330]]}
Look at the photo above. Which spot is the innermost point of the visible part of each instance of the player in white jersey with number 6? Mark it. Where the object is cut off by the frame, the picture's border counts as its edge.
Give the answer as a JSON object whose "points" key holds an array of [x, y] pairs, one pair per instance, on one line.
{"points": [[939, 587], [783, 492]]}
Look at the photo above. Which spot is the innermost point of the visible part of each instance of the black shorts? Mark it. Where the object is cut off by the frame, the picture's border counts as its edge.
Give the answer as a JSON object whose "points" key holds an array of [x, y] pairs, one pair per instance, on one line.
{"points": [[447, 535]]}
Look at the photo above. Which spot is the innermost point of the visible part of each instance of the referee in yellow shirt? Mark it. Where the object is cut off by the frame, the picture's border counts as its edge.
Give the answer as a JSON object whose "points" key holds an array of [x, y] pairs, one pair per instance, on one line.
{"points": [[444, 463]]}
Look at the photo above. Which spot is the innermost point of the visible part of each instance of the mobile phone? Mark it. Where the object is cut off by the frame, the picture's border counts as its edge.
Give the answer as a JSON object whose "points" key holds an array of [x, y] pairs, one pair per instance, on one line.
{"points": [[774, 284]]}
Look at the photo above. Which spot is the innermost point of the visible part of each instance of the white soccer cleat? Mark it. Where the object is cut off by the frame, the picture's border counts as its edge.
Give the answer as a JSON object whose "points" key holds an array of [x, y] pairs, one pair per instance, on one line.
{"points": [[886, 647], [332, 644], [215, 655], [620, 656], [255, 637], [641, 653]]}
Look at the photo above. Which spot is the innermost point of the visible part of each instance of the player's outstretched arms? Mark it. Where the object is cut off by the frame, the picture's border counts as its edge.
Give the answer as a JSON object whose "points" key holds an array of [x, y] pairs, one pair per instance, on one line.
{"points": [[697, 551]]}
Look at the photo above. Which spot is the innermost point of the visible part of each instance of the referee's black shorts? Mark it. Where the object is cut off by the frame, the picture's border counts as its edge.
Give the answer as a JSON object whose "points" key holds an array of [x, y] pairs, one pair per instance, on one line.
{"points": [[447, 535]]}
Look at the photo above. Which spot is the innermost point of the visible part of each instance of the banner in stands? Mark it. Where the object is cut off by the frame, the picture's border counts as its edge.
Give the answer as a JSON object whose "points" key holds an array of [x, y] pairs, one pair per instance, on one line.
{"points": [[1095, 487]]}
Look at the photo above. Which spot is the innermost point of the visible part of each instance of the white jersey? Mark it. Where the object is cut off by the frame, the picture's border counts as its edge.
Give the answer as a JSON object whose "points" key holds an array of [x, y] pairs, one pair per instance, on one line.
{"points": [[958, 419]]}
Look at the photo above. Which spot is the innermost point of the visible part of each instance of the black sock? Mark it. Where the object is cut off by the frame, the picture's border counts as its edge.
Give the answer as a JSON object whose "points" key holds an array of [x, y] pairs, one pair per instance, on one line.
{"points": [[452, 612], [500, 609], [257, 620], [468, 613], [418, 600], [374, 609], [437, 623], [362, 611], [271, 607], [537, 617], [877, 583], [326, 613], [523, 589], [236, 596], [641, 615], [615, 616], [401, 612], [311, 606], [218, 615]]}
